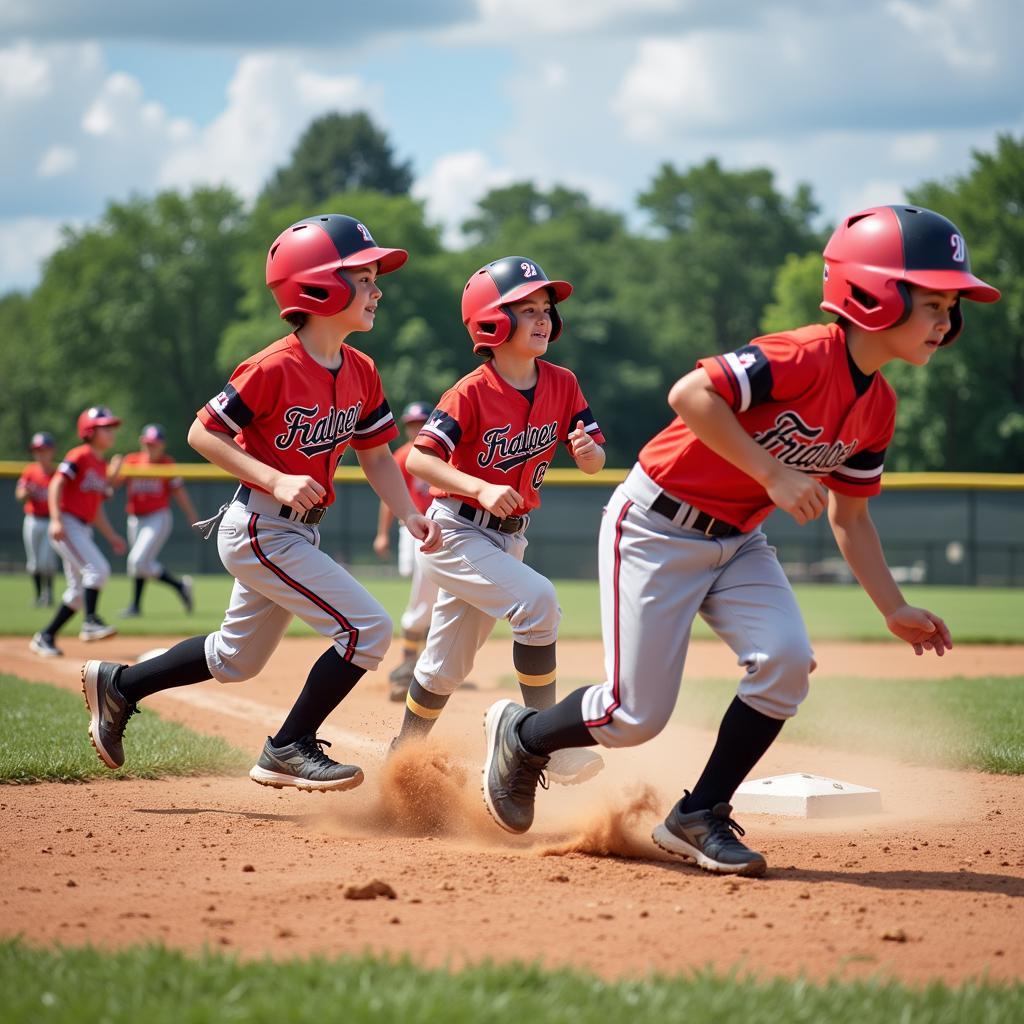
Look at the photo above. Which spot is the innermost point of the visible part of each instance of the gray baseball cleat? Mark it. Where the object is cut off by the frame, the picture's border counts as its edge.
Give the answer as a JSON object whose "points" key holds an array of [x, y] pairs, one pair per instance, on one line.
{"points": [[109, 709], [303, 765], [95, 629], [573, 765], [708, 838], [511, 772], [44, 646]]}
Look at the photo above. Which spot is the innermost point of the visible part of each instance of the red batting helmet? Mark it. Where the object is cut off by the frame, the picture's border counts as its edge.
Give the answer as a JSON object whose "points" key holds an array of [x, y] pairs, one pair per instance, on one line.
{"points": [[40, 439], [873, 255], [305, 263], [488, 293], [93, 417]]}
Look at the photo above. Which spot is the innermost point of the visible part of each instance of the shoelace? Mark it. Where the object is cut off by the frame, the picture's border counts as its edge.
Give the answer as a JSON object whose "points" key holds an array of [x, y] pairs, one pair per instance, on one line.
{"points": [[313, 748], [132, 709], [524, 780], [724, 828]]}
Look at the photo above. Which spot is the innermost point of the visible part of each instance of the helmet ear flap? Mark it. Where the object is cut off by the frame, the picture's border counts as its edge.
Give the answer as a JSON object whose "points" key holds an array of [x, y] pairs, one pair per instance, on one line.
{"points": [[556, 322], [956, 324], [348, 290]]}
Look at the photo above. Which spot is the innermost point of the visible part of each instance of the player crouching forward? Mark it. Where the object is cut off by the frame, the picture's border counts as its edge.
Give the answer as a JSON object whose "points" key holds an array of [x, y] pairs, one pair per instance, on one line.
{"points": [[799, 421], [280, 425], [76, 495], [485, 450]]}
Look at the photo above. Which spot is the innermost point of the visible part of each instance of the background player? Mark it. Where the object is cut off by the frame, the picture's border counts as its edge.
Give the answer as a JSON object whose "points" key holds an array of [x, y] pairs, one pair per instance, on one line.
{"points": [[485, 450], [76, 495], [280, 425], [33, 489], [422, 592], [799, 421], [149, 516]]}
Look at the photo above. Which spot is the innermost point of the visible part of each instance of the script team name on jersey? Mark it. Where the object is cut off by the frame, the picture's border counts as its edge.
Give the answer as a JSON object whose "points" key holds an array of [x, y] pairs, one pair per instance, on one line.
{"points": [[313, 435], [791, 441], [505, 452]]}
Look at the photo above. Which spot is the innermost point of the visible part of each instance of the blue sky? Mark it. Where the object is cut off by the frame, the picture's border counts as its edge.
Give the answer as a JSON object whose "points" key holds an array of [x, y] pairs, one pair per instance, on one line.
{"points": [[105, 99]]}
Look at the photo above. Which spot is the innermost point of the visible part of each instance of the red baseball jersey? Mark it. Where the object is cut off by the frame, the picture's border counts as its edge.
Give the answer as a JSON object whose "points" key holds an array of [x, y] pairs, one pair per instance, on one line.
{"points": [[486, 428], [149, 494], [293, 414], [800, 396], [419, 490], [36, 482], [86, 485]]}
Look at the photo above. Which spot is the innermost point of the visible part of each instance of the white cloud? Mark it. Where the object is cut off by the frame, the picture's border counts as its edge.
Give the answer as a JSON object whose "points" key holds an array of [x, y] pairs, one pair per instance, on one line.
{"points": [[24, 243], [57, 160], [452, 186], [24, 74], [271, 99]]}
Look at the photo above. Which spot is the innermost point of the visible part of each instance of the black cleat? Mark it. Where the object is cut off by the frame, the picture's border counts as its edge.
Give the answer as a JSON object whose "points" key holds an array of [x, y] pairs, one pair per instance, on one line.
{"points": [[710, 839], [511, 773], [303, 765], [110, 710]]}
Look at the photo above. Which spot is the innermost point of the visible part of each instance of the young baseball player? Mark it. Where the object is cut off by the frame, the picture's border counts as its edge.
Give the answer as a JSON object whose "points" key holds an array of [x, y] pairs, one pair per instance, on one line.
{"points": [[32, 488], [75, 498], [485, 450], [149, 517], [799, 421], [280, 425], [422, 592]]}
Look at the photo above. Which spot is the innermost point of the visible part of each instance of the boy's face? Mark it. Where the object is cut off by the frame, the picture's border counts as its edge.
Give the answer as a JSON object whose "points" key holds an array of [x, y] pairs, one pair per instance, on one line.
{"points": [[44, 456], [918, 338], [103, 438], [360, 313], [154, 449], [533, 324]]}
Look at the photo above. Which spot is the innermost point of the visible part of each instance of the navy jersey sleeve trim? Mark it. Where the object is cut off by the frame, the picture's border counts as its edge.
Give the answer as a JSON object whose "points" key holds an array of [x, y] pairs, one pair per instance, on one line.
{"points": [[375, 422], [863, 468], [443, 429], [230, 409]]}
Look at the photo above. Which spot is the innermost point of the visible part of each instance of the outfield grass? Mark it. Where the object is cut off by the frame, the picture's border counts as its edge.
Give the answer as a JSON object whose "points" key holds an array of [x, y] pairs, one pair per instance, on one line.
{"points": [[161, 986], [974, 614], [44, 737]]}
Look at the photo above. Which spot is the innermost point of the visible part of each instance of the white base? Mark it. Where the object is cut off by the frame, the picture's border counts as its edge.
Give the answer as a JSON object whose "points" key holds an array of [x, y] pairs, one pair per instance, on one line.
{"points": [[154, 653], [801, 795]]}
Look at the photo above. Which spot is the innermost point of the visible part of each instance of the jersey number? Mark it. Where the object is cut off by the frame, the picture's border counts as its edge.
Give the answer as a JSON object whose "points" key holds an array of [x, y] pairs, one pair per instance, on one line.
{"points": [[528, 269], [539, 473]]}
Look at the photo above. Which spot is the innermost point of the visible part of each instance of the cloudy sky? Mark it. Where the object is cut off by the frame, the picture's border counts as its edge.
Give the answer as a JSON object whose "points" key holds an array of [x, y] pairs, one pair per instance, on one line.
{"points": [[102, 99]]}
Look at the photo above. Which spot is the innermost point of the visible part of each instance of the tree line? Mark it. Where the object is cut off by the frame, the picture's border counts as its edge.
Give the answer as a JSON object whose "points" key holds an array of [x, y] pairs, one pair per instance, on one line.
{"points": [[148, 309]]}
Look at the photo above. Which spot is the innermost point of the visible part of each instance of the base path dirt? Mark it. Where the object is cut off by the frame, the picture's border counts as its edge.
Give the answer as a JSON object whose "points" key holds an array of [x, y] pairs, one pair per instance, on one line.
{"points": [[932, 888]]}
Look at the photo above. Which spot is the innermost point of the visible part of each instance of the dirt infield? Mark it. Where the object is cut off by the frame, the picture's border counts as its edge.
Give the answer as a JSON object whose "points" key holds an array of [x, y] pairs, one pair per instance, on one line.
{"points": [[930, 889]]}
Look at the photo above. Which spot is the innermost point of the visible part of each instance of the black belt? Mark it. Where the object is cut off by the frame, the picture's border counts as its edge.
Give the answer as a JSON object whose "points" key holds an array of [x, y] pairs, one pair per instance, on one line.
{"points": [[511, 524], [708, 525], [310, 518]]}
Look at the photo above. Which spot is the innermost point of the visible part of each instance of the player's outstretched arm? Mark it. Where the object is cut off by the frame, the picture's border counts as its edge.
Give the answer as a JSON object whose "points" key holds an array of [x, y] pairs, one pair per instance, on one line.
{"points": [[708, 415], [386, 479], [298, 492], [858, 541]]}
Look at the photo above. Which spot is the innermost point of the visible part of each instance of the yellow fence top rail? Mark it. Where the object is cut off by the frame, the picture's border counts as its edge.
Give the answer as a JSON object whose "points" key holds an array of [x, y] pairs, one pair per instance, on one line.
{"points": [[199, 471]]}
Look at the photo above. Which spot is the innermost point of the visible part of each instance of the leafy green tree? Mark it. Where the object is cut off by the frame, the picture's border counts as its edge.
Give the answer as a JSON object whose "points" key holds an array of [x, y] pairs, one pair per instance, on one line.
{"points": [[796, 295], [130, 310], [965, 411], [337, 153], [725, 234]]}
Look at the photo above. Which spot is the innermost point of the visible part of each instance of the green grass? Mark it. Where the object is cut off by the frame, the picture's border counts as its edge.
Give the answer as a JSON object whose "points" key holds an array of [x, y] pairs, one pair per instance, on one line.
{"points": [[165, 987], [974, 614], [44, 736]]}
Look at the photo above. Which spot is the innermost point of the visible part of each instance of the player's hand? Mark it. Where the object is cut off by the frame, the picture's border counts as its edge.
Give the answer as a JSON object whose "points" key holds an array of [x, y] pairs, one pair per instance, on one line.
{"points": [[921, 629], [117, 544], [56, 529], [500, 499], [582, 446], [425, 530], [803, 497], [300, 493], [381, 545]]}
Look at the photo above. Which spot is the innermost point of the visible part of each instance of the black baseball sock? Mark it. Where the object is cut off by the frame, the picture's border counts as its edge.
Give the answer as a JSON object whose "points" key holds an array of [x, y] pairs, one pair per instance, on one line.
{"points": [[61, 616], [329, 682], [91, 597], [140, 582], [182, 665], [535, 669], [37, 579], [171, 581], [422, 710], [558, 727], [743, 738]]}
